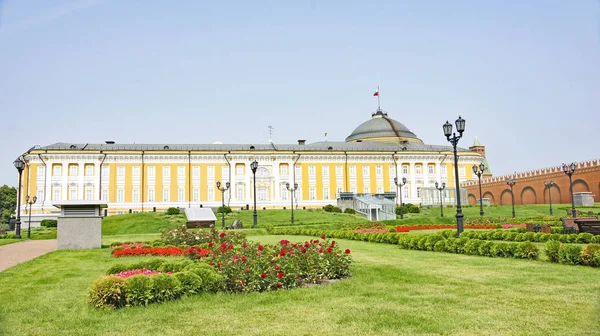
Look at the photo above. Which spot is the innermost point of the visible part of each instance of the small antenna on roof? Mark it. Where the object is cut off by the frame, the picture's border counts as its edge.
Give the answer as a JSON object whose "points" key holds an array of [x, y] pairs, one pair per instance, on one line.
{"points": [[271, 131]]}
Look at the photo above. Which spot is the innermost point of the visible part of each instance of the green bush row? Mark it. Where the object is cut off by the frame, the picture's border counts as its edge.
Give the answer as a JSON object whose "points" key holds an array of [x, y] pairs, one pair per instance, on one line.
{"points": [[445, 243], [332, 208], [505, 235], [573, 254], [49, 223], [187, 278]]}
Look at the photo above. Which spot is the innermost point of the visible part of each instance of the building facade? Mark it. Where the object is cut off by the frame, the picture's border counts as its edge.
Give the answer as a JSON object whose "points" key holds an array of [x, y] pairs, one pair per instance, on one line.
{"points": [[142, 177]]}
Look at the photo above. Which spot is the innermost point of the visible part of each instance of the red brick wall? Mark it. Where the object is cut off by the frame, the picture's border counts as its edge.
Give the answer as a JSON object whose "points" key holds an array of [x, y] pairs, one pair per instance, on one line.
{"points": [[530, 188]]}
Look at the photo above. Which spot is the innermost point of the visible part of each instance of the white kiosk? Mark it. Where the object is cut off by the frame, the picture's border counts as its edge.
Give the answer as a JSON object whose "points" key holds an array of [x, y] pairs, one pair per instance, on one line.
{"points": [[79, 225]]}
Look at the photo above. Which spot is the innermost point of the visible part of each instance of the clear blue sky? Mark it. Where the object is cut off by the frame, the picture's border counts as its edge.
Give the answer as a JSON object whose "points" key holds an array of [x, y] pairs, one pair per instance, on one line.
{"points": [[524, 74]]}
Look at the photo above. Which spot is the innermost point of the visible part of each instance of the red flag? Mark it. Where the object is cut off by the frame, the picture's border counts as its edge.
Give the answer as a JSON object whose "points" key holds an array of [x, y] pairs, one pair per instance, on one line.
{"points": [[376, 94]]}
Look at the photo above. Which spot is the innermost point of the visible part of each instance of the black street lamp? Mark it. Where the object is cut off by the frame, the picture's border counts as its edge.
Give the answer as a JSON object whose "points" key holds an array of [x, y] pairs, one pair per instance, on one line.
{"points": [[437, 186], [227, 185], [254, 167], [20, 165], [453, 139], [570, 170], [478, 170], [511, 183], [287, 185], [400, 185], [29, 222], [549, 186]]}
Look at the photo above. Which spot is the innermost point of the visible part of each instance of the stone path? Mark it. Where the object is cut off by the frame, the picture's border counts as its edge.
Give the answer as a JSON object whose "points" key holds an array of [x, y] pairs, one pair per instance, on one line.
{"points": [[16, 253]]}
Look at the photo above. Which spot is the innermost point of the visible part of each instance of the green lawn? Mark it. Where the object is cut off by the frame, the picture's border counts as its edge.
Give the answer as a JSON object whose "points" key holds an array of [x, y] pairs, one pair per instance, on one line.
{"points": [[283, 217], [392, 291], [146, 222], [9, 241]]}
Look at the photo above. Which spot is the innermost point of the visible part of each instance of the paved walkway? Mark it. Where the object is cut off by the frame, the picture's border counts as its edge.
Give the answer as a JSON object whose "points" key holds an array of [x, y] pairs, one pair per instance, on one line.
{"points": [[16, 253]]}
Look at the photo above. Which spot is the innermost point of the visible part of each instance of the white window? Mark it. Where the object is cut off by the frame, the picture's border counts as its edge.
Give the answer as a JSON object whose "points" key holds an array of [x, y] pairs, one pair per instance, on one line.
{"points": [[135, 171], [73, 193], [225, 173], [151, 172], [166, 172], [88, 193], [56, 194], [325, 193], [283, 169], [312, 193], [40, 195], [120, 212], [120, 195], [298, 194], [367, 190], [352, 170], [353, 190], [150, 195], [392, 171], [284, 192], [339, 171], [211, 194], [461, 171], [196, 171], [405, 192], [239, 169], [311, 171], [431, 169], [135, 196], [262, 194], [121, 171], [105, 171], [166, 195], [57, 170], [105, 195], [195, 195], [404, 169], [378, 171], [211, 171], [240, 193], [366, 171], [41, 171], [338, 192], [379, 189], [418, 192], [89, 170], [325, 171], [72, 170], [181, 172], [418, 169], [181, 195]]}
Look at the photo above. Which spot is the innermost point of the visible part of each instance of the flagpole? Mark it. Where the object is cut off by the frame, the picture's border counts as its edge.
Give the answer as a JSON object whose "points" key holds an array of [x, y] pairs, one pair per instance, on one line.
{"points": [[378, 101]]}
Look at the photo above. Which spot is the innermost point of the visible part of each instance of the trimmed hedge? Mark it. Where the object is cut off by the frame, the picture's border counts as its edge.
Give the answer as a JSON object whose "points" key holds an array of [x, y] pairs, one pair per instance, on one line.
{"points": [[187, 278], [537, 237], [48, 223]]}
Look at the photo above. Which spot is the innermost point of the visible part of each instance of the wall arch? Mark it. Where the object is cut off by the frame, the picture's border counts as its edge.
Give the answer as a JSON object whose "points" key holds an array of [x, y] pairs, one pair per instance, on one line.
{"points": [[472, 199], [556, 194], [580, 186], [528, 196], [489, 196], [505, 198]]}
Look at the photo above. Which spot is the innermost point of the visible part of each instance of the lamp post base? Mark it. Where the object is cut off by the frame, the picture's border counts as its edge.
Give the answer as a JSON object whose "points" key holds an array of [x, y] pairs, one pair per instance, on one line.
{"points": [[459, 223], [254, 219], [18, 229]]}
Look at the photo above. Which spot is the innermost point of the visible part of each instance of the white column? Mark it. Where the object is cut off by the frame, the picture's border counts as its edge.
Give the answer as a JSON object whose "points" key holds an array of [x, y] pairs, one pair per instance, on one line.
{"points": [[276, 191], [65, 186], [413, 181], [48, 186], [80, 184], [96, 193]]}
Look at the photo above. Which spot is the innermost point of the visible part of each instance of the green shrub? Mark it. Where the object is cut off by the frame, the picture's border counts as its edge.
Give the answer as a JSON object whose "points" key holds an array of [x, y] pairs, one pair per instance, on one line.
{"points": [[117, 268], [585, 238], [440, 246], [165, 288], [173, 211], [332, 208], [527, 250], [484, 249], [48, 223], [569, 254], [472, 246], [174, 266], [587, 255], [349, 211], [551, 249], [108, 292], [191, 283], [596, 259], [211, 280], [4, 227], [139, 290], [227, 209]]}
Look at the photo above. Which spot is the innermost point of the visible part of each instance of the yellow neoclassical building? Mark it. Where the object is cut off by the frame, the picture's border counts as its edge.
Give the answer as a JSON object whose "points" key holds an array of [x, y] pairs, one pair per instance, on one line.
{"points": [[141, 177]]}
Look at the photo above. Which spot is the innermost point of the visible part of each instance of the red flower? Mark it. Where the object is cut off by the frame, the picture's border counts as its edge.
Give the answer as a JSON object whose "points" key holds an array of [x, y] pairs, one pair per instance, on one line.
{"points": [[260, 247], [303, 250], [332, 243], [323, 237], [247, 270], [284, 242], [211, 244], [278, 285], [243, 258], [264, 275], [276, 267], [280, 275], [224, 246], [235, 258], [244, 245], [222, 234], [329, 250], [282, 253], [218, 265], [241, 283], [347, 251]]}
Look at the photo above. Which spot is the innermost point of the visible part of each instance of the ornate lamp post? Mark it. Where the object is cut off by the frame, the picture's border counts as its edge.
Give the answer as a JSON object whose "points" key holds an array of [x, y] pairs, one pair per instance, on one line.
{"points": [[511, 183], [29, 223], [549, 186], [254, 167], [441, 202], [400, 185], [227, 185], [20, 165], [570, 170], [478, 170], [287, 186], [453, 139]]}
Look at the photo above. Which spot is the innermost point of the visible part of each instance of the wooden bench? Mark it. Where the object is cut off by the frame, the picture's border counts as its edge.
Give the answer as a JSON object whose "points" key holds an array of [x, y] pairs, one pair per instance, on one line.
{"points": [[569, 225], [591, 225]]}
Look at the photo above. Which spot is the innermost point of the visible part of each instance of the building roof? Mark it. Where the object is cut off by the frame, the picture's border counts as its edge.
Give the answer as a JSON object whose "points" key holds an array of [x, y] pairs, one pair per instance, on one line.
{"points": [[322, 146], [380, 126], [476, 141], [199, 214]]}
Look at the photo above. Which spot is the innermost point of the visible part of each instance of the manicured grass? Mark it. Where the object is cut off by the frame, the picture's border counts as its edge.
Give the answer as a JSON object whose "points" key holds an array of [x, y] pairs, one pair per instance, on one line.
{"points": [[283, 217], [9, 241], [146, 222], [392, 291]]}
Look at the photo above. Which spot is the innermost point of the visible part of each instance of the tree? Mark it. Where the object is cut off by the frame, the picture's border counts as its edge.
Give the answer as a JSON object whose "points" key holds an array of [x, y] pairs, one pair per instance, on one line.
{"points": [[8, 202]]}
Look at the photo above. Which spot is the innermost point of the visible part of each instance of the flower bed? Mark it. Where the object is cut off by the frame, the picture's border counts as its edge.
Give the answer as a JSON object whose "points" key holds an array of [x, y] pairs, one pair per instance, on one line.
{"points": [[437, 227], [159, 251], [143, 271], [128, 245]]}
